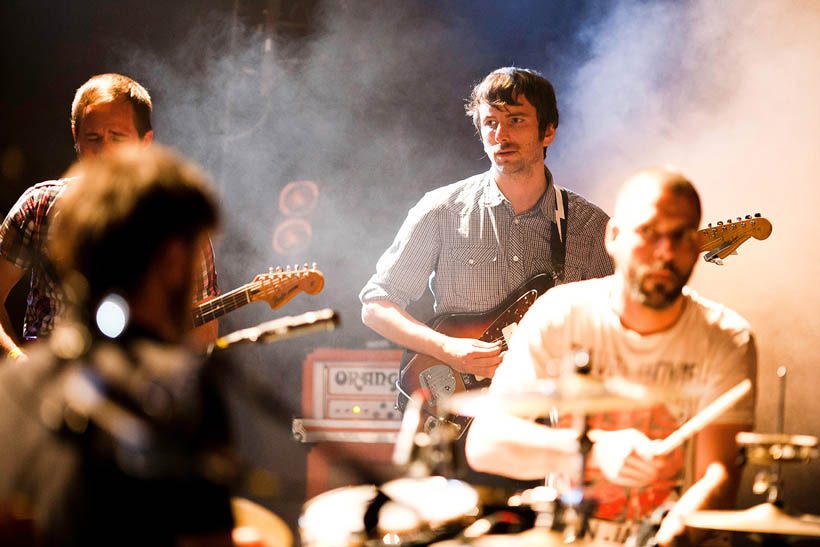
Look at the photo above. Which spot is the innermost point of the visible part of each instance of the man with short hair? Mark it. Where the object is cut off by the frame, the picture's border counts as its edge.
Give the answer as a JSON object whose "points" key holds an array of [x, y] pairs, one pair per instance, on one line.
{"points": [[119, 438], [643, 324], [475, 242], [108, 110]]}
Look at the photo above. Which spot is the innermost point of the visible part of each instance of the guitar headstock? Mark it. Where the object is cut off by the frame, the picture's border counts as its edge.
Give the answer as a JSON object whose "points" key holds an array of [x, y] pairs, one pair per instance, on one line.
{"points": [[723, 238], [278, 285]]}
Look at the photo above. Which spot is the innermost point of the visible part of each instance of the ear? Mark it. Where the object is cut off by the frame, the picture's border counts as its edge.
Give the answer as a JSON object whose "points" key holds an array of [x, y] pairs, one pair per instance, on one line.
{"points": [[549, 135], [612, 232], [148, 137]]}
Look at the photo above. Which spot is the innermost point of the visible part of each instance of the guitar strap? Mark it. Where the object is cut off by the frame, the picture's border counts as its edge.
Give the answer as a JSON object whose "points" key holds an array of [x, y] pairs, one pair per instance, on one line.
{"points": [[558, 235]]}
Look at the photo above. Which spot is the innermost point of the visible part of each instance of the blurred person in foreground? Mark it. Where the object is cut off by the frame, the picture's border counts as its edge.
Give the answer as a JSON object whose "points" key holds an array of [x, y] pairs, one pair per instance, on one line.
{"points": [[644, 324], [112, 431], [108, 110]]}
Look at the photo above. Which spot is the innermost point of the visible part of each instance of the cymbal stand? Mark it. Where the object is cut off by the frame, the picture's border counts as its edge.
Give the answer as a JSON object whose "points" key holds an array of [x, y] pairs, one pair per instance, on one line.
{"points": [[570, 510], [772, 480]]}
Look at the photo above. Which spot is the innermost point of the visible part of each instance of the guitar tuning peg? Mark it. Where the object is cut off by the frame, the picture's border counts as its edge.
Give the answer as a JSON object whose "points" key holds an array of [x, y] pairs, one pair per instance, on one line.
{"points": [[729, 221], [313, 266], [305, 267], [739, 219], [720, 223], [279, 269], [747, 217], [270, 270], [757, 215], [287, 268], [710, 225]]}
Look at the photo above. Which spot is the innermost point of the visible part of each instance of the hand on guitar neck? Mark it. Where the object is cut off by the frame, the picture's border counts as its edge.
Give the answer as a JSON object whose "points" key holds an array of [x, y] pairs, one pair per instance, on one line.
{"points": [[462, 353]]}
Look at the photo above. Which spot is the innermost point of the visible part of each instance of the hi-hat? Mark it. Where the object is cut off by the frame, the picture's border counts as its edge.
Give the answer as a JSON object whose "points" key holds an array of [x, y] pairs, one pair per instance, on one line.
{"points": [[571, 394], [765, 518], [768, 448]]}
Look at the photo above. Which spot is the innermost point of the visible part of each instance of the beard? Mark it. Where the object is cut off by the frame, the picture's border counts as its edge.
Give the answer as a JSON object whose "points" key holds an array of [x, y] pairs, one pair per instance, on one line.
{"points": [[657, 294]]}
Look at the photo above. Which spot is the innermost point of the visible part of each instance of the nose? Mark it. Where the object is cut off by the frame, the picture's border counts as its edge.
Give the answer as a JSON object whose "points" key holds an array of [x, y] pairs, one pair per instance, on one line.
{"points": [[105, 144], [665, 247], [501, 132]]}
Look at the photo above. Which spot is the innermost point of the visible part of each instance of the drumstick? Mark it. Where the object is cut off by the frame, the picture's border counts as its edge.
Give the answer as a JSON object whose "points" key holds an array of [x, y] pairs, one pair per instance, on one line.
{"points": [[691, 500], [703, 418]]}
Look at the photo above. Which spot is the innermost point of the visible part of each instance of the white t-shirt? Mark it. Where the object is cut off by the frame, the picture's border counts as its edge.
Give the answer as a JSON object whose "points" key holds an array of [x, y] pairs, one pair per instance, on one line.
{"points": [[710, 349]]}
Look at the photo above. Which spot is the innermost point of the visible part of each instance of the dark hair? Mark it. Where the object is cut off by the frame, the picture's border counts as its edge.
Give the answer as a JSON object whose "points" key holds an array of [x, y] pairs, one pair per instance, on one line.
{"points": [[104, 88], [118, 210], [505, 85]]}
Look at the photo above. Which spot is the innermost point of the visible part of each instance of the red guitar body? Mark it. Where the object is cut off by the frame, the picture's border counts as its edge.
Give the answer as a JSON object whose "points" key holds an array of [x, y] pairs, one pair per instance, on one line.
{"points": [[440, 381]]}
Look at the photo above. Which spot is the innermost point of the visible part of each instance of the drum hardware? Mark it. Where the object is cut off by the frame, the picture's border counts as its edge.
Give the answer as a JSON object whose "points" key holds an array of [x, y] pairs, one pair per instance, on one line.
{"points": [[579, 395], [427, 449], [564, 523], [645, 535], [771, 450]]}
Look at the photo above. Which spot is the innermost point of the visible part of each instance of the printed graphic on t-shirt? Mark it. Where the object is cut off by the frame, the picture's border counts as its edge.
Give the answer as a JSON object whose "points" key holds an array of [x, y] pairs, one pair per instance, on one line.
{"points": [[657, 422]]}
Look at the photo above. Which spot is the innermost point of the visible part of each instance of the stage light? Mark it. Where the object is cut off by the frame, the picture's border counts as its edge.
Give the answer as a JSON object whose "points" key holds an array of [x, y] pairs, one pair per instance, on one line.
{"points": [[298, 197], [292, 237], [112, 315]]}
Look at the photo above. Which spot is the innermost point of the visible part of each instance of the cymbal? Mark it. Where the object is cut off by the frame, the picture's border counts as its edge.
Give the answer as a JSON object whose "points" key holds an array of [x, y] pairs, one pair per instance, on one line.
{"points": [[573, 394], [254, 521], [765, 518]]}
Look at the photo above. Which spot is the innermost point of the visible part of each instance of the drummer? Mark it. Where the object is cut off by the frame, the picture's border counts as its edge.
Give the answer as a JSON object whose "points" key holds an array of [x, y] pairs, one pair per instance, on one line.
{"points": [[642, 323]]}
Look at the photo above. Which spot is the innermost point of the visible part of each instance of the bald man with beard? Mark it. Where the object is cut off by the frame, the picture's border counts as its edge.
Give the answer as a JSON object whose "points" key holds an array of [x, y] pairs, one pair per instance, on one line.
{"points": [[645, 324]]}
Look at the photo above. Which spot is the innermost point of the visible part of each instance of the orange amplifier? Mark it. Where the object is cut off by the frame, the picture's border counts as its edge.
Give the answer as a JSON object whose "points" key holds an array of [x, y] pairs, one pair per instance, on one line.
{"points": [[353, 391], [348, 398]]}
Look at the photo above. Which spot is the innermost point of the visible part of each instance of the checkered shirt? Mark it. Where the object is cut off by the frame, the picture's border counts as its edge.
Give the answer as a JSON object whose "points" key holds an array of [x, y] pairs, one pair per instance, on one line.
{"points": [[23, 242], [465, 242]]}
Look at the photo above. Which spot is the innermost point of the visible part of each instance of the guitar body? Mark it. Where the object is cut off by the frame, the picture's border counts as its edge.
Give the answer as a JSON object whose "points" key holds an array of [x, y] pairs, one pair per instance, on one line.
{"points": [[421, 371]]}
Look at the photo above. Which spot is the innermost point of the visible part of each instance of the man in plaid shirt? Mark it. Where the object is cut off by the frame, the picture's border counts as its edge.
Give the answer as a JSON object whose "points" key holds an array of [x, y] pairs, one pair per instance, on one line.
{"points": [[108, 110], [474, 242]]}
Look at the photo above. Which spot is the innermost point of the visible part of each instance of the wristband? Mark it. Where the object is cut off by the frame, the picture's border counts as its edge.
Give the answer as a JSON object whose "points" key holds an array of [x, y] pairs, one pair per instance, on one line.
{"points": [[15, 352]]}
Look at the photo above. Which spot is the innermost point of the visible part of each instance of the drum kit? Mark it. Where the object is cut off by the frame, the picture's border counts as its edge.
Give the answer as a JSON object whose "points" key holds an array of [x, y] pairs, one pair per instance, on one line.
{"points": [[427, 508]]}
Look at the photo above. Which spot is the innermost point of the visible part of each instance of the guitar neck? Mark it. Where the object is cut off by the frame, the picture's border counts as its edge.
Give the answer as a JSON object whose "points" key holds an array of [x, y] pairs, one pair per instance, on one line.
{"points": [[221, 305]]}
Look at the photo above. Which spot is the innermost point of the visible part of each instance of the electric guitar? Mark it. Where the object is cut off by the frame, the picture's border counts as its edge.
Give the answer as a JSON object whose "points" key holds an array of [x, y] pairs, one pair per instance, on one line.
{"points": [[275, 287], [439, 381]]}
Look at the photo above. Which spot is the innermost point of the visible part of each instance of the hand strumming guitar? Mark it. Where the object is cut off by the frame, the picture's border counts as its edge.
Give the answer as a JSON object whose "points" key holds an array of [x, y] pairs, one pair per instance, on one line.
{"points": [[471, 356]]}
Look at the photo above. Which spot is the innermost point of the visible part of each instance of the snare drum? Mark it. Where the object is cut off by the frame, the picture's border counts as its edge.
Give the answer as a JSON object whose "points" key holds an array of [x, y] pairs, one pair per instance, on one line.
{"points": [[535, 537], [415, 510]]}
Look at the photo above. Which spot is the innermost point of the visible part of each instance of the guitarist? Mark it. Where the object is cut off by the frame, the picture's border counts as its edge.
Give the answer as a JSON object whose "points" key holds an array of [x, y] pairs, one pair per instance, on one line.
{"points": [[476, 241], [108, 110]]}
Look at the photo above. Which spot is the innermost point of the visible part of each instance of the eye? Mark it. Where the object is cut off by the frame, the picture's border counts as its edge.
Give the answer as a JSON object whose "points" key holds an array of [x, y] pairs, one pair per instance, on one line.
{"points": [[684, 235], [490, 123], [648, 233]]}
